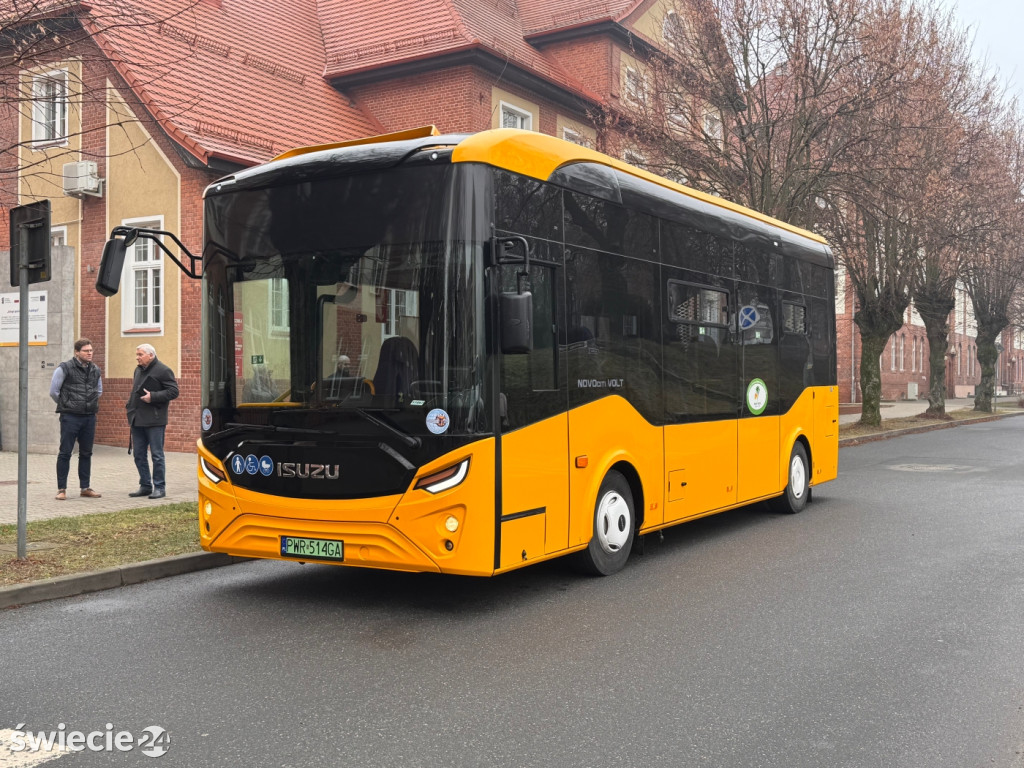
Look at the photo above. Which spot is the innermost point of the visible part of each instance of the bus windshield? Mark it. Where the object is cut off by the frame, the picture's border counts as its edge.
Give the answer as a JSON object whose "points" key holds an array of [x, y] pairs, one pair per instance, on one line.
{"points": [[355, 294]]}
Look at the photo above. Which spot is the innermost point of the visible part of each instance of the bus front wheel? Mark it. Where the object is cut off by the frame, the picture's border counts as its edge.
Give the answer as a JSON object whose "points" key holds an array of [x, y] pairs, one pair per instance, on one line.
{"points": [[798, 490], [614, 522]]}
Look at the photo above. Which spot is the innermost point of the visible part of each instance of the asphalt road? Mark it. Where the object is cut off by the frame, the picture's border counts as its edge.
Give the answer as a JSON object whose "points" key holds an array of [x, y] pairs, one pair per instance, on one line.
{"points": [[884, 627]]}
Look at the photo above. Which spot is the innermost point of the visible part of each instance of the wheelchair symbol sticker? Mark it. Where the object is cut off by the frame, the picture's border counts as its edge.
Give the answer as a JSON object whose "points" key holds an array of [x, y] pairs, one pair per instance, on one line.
{"points": [[749, 317], [252, 464], [757, 397], [237, 464]]}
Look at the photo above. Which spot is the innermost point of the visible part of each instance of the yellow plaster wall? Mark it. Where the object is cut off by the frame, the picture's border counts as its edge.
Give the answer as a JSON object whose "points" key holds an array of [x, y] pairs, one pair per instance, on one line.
{"points": [[585, 131], [42, 174], [141, 182]]}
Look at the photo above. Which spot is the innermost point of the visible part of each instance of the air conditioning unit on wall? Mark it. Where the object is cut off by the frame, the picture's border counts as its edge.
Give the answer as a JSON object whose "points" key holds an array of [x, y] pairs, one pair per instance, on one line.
{"points": [[81, 179]]}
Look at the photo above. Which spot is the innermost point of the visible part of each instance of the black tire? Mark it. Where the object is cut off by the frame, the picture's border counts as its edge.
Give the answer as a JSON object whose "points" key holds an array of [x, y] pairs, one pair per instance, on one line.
{"points": [[798, 489], [614, 528]]}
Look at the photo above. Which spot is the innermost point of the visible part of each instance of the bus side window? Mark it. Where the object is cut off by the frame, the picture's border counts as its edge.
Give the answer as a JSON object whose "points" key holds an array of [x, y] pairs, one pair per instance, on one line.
{"points": [[530, 384]]}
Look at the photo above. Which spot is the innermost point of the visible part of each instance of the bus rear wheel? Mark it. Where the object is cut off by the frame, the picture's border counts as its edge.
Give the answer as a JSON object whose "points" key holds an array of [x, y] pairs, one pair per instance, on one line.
{"points": [[798, 490], [614, 522]]}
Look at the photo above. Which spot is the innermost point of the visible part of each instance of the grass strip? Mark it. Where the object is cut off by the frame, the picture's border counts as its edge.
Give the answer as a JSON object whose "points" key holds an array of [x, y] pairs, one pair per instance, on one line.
{"points": [[101, 540]]}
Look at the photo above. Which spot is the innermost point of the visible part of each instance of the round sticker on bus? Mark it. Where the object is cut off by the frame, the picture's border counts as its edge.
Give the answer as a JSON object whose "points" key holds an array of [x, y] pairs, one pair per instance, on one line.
{"points": [[438, 421], [207, 419], [757, 397]]}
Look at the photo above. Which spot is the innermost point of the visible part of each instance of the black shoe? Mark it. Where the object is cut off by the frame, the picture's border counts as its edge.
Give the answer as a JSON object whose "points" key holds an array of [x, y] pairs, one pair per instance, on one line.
{"points": [[143, 491], [157, 494]]}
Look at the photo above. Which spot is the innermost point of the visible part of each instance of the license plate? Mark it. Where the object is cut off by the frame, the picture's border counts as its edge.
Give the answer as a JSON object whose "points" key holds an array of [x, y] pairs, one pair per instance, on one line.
{"points": [[312, 549]]}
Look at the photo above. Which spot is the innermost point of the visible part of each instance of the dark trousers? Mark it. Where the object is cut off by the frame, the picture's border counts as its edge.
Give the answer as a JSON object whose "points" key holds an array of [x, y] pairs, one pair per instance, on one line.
{"points": [[151, 439], [80, 427]]}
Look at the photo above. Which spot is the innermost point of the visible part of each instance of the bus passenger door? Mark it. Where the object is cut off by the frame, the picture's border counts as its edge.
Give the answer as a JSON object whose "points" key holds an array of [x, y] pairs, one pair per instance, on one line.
{"points": [[534, 429], [758, 446]]}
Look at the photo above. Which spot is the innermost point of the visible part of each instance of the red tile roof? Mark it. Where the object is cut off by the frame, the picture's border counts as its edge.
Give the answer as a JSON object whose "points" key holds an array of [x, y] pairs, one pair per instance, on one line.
{"points": [[240, 80], [243, 80], [405, 31], [546, 16]]}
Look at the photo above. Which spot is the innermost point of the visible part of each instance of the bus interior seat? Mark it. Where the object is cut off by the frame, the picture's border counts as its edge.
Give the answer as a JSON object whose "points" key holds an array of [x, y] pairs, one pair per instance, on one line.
{"points": [[397, 367]]}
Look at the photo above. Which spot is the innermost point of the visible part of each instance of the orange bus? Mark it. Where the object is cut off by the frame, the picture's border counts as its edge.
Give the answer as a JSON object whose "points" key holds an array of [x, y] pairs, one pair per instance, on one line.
{"points": [[469, 353]]}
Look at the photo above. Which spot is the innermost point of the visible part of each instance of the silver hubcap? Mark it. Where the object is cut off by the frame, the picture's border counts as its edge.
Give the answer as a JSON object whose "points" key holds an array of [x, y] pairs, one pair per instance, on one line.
{"points": [[613, 522], [797, 478]]}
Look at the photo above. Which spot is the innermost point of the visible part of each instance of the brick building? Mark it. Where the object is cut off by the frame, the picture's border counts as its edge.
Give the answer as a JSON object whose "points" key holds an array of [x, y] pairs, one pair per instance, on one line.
{"points": [[169, 98], [905, 367]]}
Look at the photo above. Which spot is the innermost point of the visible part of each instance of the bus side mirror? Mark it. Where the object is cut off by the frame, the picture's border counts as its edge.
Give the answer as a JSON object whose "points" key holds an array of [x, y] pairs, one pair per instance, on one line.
{"points": [[516, 323], [108, 278]]}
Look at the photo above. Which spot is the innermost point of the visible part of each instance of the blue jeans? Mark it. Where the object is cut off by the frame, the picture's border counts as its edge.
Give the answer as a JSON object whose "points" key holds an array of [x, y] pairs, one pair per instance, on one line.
{"points": [[80, 427], [151, 439]]}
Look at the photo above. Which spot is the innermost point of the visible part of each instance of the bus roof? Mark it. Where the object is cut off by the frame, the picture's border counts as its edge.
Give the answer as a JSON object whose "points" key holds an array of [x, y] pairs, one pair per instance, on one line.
{"points": [[524, 152], [540, 156]]}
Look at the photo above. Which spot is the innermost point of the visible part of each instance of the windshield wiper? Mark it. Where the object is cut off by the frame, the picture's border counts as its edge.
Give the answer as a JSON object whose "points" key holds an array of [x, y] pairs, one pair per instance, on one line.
{"points": [[410, 440]]}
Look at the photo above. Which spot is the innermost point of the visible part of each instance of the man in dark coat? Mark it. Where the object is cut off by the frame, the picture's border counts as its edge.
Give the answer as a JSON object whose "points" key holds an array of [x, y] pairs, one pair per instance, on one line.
{"points": [[153, 387], [76, 387]]}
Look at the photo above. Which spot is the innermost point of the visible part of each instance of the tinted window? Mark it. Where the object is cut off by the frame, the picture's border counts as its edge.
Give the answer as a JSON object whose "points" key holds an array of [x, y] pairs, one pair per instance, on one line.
{"points": [[527, 206], [700, 353], [605, 226], [612, 338]]}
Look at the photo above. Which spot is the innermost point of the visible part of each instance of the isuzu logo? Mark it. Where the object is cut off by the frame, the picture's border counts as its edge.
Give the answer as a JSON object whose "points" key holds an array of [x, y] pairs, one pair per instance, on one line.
{"points": [[266, 466], [307, 471]]}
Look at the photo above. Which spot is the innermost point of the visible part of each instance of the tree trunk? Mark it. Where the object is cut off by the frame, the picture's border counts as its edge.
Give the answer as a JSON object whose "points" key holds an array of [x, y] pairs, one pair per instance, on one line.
{"points": [[988, 357], [937, 328], [871, 378]]}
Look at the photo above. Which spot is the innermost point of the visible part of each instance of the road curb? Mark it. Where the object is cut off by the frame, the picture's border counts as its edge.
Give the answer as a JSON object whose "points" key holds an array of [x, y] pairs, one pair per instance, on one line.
{"points": [[851, 441], [109, 578]]}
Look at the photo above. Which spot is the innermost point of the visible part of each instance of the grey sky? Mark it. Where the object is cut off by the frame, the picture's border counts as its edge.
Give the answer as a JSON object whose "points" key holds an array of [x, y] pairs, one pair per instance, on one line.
{"points": [[997, 26]]}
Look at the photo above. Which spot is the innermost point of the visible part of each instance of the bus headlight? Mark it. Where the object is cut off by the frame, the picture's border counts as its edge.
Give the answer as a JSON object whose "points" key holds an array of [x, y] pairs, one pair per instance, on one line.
{"points": [[213, 473], [445, 479], [451, 524]]}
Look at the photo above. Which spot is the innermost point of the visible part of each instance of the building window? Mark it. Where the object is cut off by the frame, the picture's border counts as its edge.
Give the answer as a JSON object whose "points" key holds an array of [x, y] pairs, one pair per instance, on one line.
{"points": [[903, 340], [672, 29], [279, 305], [634, 158], [143, 302], [713, 128], [514, 117], [892, 354], [913, 354], [959, 357], [574, 136], [399, 304], [635, 86], [50, 107], [58, 236]]}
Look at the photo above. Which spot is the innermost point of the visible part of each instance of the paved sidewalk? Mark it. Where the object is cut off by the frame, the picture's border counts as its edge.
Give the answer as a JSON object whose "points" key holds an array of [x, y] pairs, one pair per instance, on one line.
{"points": [[113, 475], [899, 409]]}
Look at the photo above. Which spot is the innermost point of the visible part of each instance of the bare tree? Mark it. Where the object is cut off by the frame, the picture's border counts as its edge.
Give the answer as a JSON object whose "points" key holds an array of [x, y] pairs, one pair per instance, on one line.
{"points": [[955, 118], [994, 271], [38, 35]]}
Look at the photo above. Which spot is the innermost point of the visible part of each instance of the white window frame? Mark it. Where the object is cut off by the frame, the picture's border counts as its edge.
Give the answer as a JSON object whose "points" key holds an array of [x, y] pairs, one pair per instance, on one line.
{"points": [[49, 129], [409, 306], [892, 353], [277, 305], [522, 116], [713, 127], [58, 236], [671, 29], [155, 267], [634, 86], [574, 136]]}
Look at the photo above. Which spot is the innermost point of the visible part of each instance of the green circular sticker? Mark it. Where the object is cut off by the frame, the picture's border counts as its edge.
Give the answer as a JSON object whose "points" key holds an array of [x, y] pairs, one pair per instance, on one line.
{"points": [[757, 397]]}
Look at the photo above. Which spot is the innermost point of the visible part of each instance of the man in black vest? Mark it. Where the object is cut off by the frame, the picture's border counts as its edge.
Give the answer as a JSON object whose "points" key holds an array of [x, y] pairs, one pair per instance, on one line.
{"points": [[76, 387], [153, 387]]}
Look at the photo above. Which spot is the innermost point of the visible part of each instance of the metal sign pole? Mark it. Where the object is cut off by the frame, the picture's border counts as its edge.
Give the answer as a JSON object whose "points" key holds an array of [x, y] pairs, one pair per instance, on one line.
{"points": [[23, 400]]}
